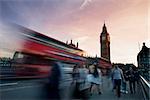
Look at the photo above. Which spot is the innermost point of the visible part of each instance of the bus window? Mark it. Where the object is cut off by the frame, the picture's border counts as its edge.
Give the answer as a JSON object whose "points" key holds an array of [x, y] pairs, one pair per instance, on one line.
{"points": [[31, 64]]}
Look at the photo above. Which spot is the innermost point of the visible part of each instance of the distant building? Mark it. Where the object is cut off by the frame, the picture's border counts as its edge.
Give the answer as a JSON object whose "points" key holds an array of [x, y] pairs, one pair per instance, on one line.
{"points": [[104, 61], [105, 43], [73, 45], [143, 59]]}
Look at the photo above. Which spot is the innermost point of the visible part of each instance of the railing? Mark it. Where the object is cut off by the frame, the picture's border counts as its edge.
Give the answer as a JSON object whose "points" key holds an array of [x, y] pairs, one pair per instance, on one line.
{"points": [[145, 85]]}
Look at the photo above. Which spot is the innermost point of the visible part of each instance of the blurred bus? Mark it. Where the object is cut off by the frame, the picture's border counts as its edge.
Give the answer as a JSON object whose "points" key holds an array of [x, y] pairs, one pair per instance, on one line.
{"points": [[38, 50]]}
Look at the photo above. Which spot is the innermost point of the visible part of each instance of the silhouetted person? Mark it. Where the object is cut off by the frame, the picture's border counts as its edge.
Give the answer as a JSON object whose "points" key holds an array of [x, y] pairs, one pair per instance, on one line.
{"points": [[131, 77], [52, 86], [137, 76]]}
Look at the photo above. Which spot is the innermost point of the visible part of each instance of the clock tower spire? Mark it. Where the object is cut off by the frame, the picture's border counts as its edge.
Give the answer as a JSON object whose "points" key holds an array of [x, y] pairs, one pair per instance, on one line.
{"points": [[105, 43]]}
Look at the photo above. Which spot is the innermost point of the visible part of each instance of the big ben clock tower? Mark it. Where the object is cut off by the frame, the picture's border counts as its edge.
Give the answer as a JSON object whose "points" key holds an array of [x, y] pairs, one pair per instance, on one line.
{"points": [[105, 43]]}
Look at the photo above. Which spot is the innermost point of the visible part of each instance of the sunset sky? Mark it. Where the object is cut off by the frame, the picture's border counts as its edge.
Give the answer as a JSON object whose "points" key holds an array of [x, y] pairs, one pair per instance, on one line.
{"points": [[127, 21]]}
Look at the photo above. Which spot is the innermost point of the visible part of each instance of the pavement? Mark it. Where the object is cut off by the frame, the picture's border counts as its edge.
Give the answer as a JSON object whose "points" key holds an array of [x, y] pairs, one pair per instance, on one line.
{"points": [[33, 89], [109, 94], [20, 89]]}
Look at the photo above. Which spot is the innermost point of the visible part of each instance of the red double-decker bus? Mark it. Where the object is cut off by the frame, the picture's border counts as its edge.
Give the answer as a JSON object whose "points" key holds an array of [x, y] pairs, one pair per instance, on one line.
{"points": [[37, 51]]}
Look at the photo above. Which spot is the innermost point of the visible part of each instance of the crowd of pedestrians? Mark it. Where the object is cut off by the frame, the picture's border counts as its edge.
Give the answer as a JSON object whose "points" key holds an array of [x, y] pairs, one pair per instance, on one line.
{"points": [[120, 78], [87, 81]]}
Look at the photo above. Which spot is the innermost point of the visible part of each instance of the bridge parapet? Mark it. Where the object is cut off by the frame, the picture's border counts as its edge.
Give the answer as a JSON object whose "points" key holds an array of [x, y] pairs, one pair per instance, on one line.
{"points": [[145, 85]]}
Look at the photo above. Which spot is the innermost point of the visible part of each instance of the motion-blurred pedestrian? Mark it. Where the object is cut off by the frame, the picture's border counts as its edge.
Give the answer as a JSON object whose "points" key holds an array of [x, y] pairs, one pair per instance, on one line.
{"points": [[75, 73], [84, 87], [95, 79], [117, 75], [52, 86], [124, 83], [74, 85], [99, 78], [80, 82]]}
